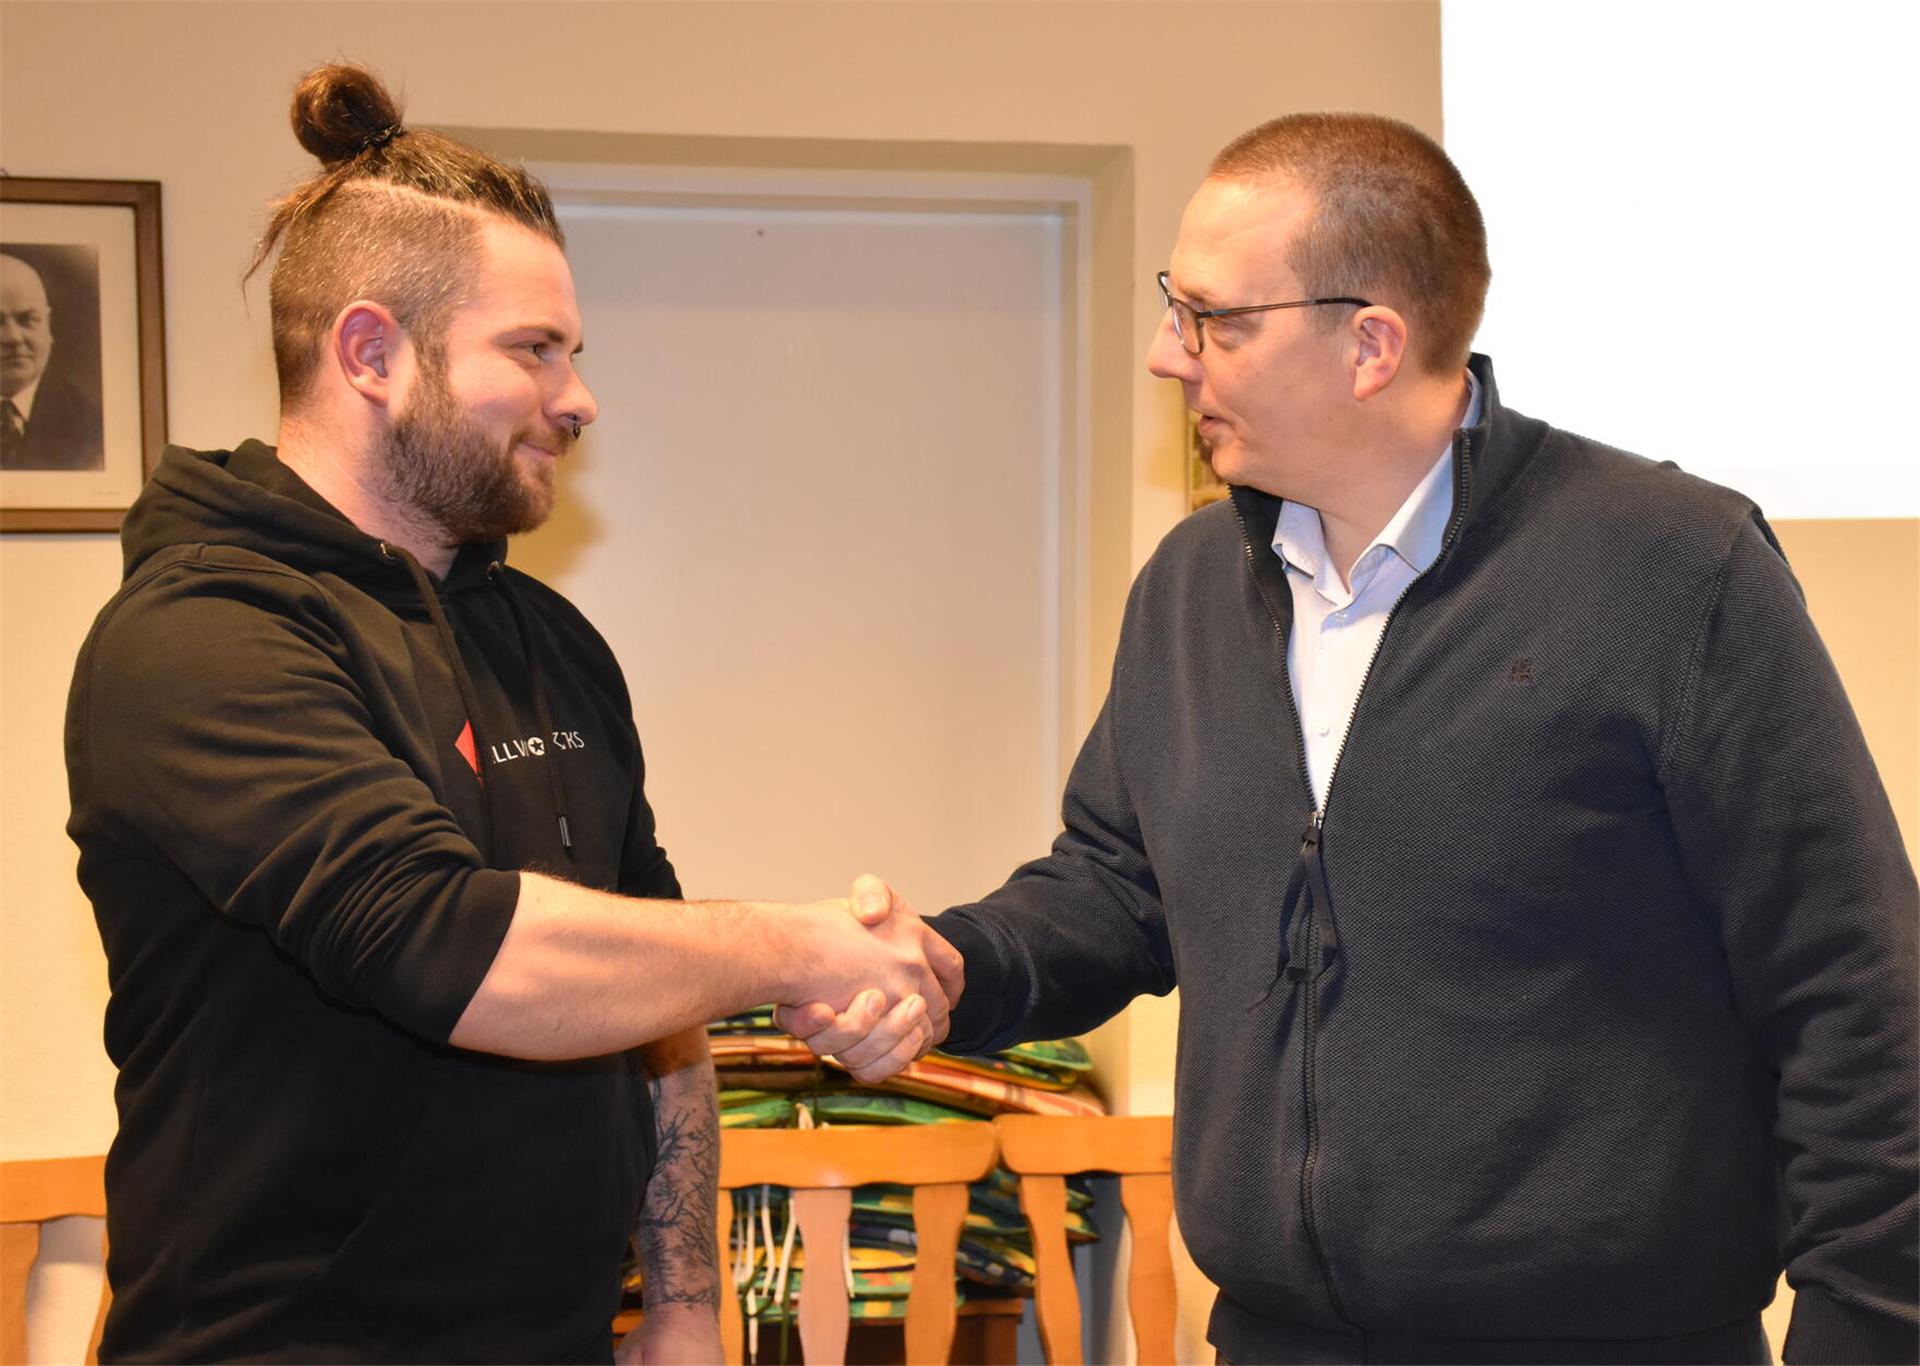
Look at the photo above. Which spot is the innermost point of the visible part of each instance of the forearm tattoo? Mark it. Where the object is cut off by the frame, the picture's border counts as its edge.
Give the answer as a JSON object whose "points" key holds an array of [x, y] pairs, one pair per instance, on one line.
{"points": [[676, 1232]]}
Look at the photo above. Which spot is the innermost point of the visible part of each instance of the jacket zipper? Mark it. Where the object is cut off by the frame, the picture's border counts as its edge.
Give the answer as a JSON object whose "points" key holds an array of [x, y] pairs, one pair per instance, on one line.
{"points": [[1316, 874], [1310, 998]]}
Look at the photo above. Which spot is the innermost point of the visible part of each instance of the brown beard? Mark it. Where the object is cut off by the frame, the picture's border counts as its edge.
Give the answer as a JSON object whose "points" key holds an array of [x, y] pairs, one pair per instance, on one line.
{"points": [[448, 472]]}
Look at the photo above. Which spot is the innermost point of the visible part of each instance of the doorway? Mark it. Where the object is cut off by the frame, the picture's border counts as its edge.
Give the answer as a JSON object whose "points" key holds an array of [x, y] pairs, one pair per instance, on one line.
{"points": [[827, 522]]}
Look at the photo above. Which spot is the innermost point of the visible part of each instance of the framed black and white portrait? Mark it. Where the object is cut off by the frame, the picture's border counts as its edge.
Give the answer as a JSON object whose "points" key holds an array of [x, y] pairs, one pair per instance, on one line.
{"points": [[82, 355]]}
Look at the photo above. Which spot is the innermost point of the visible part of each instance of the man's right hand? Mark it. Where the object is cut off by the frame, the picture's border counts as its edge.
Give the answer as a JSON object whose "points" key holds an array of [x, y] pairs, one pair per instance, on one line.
{"points": [[875, 1033], [582, 973]]}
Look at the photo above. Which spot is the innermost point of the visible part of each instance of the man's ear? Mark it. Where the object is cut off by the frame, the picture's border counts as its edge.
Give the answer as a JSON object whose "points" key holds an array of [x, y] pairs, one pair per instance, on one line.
{"points": [[366, 345], [1379, 341]]}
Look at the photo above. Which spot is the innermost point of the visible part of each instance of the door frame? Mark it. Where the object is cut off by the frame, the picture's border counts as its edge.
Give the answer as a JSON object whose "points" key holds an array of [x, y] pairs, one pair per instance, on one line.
{"points": [[1079, 682]]}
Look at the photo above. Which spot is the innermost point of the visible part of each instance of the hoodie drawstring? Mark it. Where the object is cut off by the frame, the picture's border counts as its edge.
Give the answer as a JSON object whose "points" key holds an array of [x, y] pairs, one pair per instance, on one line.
{"points": [[450, 647], [497, 575]]}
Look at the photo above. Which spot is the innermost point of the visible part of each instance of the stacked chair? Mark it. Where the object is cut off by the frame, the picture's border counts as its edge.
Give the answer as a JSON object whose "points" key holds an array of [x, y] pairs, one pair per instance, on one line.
{"points": [[930, 1120]]}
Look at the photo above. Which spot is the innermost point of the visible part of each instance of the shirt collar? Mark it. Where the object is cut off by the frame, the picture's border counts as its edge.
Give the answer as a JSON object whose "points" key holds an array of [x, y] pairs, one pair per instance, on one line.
{"points": [[23, 401], [1414, 533]]}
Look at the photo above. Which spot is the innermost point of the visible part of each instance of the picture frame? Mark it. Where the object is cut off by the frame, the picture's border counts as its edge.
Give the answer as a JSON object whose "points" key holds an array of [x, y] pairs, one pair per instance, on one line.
{"points": [[82, 350]]}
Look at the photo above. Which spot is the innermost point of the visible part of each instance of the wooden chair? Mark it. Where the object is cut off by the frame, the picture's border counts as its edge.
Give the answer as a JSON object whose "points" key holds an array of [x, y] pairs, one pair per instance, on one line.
{"points": [[821, 1167], [1043, 1152], [31, 1193]]}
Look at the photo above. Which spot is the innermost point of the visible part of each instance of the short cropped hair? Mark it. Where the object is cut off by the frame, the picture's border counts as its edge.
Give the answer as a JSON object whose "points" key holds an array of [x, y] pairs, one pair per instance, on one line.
{"points": [[1391, 214], [394, 215]]}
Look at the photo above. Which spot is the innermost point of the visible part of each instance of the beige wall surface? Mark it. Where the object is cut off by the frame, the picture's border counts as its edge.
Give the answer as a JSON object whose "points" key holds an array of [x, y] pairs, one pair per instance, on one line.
{"points": [[194, 96], [1861, 577]]}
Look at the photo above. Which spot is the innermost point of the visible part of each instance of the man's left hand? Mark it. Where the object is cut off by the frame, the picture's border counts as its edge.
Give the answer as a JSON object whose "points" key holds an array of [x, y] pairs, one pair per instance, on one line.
{"points": [[670, 1334]]}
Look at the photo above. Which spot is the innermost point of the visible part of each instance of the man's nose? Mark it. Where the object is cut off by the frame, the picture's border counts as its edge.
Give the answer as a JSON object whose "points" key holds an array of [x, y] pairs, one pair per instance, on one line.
{"points": [[1166, 357], [576, 400]]}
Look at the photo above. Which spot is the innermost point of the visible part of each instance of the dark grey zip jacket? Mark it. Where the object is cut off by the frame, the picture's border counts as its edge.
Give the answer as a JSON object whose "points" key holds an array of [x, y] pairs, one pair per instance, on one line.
{"points": [[1586, 1003]]}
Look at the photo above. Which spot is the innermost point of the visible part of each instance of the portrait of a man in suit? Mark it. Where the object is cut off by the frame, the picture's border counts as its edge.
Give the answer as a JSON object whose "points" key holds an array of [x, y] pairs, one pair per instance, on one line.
{"points": [[49, 418]]}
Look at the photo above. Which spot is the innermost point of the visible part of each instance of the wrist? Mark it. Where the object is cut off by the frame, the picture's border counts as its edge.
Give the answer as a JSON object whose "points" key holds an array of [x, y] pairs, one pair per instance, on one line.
{"points": [[775, 935], [681, 1310]]}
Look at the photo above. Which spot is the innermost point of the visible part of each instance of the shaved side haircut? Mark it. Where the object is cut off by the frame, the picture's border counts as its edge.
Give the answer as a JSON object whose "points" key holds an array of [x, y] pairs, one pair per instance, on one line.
{"points": [[1391, 216], [394, 216]]}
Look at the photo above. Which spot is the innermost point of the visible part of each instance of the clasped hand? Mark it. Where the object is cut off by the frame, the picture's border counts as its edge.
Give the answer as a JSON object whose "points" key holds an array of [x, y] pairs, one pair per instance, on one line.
{"points": [[878, 987]]}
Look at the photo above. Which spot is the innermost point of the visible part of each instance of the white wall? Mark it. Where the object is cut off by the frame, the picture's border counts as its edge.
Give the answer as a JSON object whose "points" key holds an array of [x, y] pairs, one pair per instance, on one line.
{"points": [[1702, 229]]}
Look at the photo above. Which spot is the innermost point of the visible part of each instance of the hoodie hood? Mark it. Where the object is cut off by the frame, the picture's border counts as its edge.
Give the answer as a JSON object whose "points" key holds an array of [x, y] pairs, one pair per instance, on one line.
{"points": [[248, 499], [245, 497]]}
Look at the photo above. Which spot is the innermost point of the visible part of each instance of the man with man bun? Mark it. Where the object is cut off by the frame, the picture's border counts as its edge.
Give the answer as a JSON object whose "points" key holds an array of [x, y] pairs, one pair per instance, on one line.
{"points": [[1544, 936], [407, 1011]]}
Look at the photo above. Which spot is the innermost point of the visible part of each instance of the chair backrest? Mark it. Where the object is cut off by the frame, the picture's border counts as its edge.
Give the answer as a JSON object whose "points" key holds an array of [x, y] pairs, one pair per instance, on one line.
{"points": [[821, 1167], [1043, 1151], [31, 1193]]}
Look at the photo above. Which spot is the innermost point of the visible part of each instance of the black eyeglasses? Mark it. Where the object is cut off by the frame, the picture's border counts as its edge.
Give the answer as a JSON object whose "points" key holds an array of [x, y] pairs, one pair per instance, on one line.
{"points": [[1187, 318]]}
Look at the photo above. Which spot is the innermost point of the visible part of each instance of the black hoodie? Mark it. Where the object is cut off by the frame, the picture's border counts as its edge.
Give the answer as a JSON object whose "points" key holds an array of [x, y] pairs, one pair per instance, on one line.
{"points": [[305, 776]]}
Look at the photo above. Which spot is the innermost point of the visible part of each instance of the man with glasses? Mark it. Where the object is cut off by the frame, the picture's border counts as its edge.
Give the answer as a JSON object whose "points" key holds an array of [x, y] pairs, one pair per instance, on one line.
{"points": [[1545, 937]]}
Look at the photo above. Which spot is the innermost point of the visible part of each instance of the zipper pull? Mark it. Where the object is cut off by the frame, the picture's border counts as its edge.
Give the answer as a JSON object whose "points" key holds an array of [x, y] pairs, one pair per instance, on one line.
{"points": [[1290, 899], [1317, 930]]}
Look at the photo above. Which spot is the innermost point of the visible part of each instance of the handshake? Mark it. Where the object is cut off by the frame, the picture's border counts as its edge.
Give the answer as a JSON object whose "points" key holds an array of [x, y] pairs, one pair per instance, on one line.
{"points": [[877, 985]]}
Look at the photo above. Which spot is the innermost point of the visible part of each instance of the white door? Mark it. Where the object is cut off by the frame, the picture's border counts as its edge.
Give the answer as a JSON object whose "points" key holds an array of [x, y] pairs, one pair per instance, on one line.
{"points": [[820, 522]]}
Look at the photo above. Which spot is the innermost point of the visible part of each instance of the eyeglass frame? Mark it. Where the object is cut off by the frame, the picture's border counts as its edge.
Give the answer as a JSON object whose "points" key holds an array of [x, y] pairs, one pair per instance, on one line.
{"points": [[1200, 315]]}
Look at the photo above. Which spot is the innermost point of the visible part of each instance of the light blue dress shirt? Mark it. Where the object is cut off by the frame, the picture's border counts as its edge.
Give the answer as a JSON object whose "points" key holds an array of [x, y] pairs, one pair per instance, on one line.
{"points": [[1337, 627]]}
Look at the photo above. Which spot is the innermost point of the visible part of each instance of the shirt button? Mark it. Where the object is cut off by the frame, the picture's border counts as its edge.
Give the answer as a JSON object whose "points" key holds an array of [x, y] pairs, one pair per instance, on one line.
{"points": [[1322, 729]]}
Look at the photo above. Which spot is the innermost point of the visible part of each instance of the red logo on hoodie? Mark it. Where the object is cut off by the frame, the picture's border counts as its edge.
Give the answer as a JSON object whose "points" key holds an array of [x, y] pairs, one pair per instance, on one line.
{"points": [[465, 745]]}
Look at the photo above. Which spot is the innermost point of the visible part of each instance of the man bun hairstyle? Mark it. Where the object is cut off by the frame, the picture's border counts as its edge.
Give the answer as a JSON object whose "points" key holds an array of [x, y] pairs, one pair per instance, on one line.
{"points": [[394, 215], [341, 111], [1391, 217]]}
